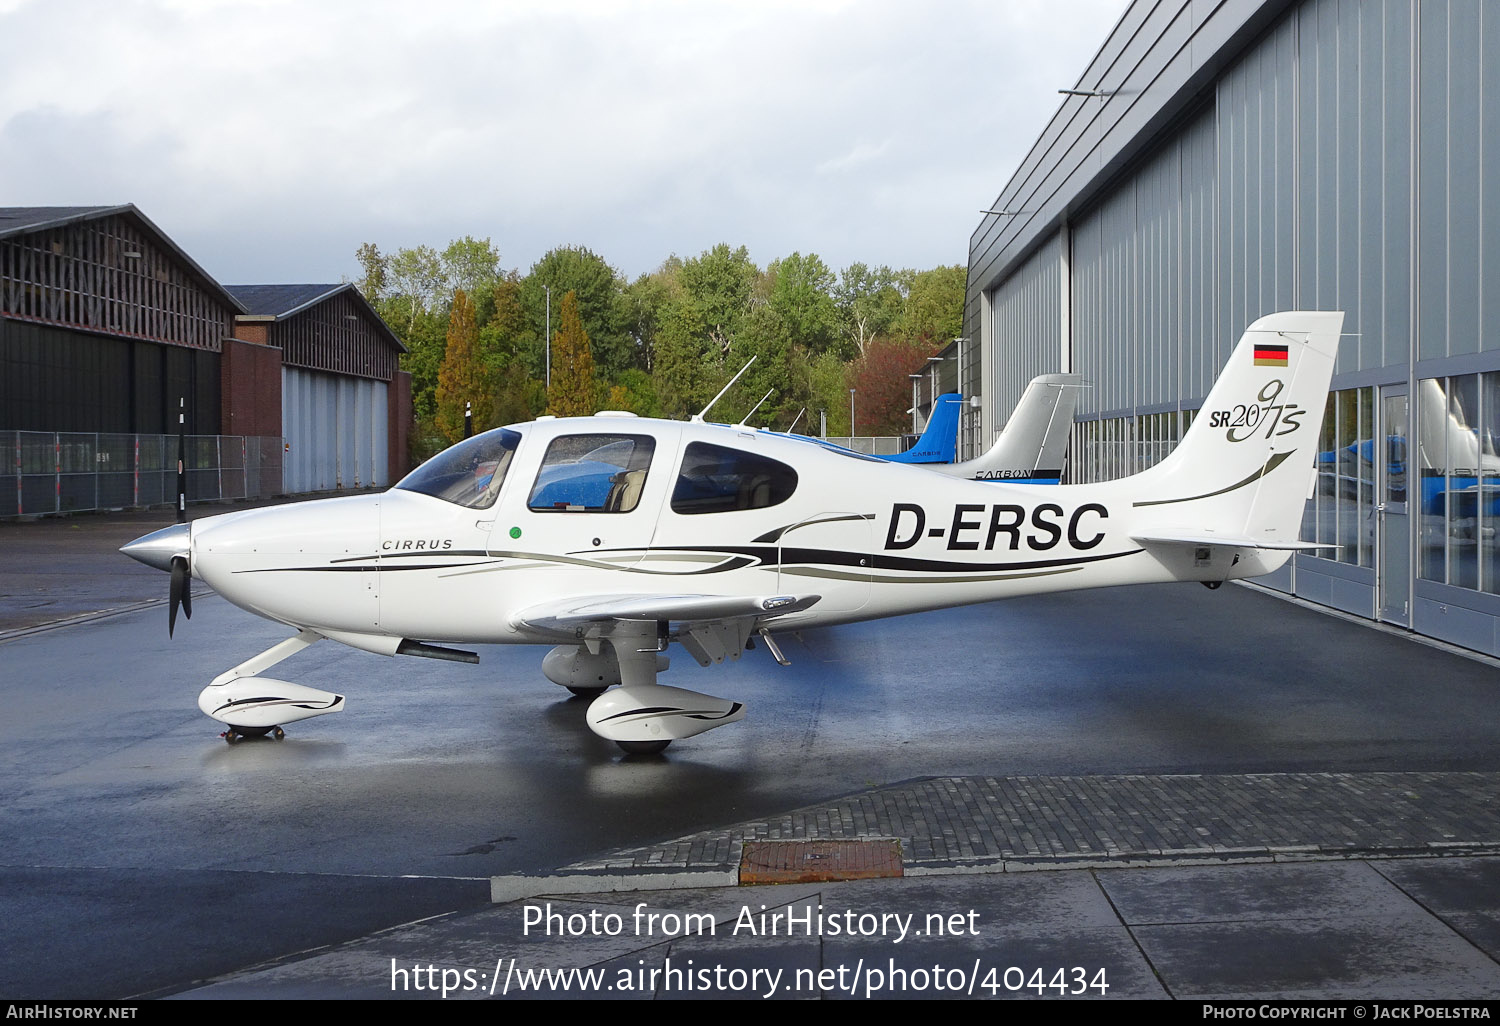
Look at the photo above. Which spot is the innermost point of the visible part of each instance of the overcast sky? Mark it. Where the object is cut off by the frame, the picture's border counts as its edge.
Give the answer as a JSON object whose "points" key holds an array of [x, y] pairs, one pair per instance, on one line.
{"points": [[271, 138]]}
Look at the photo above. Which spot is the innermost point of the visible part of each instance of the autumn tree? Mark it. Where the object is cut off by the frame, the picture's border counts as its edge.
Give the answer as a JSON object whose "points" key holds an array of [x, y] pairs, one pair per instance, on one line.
{"points": [[882, 383], [572, 393], [462, 378]]}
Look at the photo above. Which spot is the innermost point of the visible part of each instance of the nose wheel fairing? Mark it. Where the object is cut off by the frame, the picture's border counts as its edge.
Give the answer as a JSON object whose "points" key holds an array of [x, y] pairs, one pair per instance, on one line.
{"points": [[251, 704]]}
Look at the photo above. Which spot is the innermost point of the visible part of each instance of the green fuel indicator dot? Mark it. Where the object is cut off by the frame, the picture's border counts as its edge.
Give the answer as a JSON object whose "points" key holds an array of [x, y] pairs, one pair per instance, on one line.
{"points": [[515, 532]]}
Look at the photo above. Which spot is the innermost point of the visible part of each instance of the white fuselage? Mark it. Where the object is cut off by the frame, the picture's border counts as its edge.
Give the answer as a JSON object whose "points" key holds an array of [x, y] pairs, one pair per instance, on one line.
{"points": [[870, 539]]}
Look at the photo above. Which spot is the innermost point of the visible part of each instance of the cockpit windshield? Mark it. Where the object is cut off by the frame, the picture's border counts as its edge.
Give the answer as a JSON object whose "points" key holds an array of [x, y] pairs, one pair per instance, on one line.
{"points": [[469, 473]]}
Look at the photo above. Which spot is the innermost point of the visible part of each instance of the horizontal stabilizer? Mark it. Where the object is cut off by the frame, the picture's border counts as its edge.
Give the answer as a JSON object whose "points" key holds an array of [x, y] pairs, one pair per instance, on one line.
{"points": [[687, 608], [1231, 540]]}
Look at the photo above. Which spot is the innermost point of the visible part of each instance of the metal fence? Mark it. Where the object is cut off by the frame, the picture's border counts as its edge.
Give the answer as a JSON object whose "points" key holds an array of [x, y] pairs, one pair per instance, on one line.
{"points": [[67, 472], [873, 445]]}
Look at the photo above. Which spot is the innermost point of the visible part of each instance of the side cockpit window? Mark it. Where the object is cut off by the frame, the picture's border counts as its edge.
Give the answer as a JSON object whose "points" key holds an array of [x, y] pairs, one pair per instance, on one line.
{"points": [[469, 473], [718, 479], [592, 474]]}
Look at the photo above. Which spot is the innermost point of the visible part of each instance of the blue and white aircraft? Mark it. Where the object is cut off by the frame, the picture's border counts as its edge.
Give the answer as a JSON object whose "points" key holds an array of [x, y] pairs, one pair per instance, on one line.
{"points": [[612, 539], [1030, 449], [939, 441]]}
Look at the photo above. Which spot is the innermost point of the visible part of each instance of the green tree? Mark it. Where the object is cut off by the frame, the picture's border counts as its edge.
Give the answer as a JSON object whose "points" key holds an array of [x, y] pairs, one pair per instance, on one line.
{"points": [[572, 393], [503, 341], [426, 339], [721, 282], [684, 368], [463, 377], [372, 281], [600, 296], [416, 279], [472, 265], [801, 297], [870, 301], [934, 305], [645, 299]]}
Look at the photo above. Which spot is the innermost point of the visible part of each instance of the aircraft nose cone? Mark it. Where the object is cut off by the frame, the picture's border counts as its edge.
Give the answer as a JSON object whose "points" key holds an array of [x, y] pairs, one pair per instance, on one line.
{"points": [[157, 548]]}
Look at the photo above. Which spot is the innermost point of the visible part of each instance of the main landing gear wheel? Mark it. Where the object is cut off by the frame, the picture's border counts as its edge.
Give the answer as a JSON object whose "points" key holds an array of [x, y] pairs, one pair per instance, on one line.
{"points": [[590, 693], [643, 747]]}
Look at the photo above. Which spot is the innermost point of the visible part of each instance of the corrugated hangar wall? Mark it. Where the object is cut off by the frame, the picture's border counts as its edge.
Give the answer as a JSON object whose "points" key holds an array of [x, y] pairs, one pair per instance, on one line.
{"points": [[1331, 154], [336, 431]]}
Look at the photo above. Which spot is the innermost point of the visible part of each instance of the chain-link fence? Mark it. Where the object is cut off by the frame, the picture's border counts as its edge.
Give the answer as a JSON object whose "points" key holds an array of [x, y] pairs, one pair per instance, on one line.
{"points": [[43, 472]]}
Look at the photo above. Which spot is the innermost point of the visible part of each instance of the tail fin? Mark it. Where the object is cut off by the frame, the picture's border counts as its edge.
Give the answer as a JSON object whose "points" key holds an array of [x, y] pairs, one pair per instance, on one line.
{"points": [[940, 440], [1241, 474], [1031, 448]]}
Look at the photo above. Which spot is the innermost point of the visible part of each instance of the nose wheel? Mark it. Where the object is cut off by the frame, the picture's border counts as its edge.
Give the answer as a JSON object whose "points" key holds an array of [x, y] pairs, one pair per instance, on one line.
{"points": [[642, 747]]}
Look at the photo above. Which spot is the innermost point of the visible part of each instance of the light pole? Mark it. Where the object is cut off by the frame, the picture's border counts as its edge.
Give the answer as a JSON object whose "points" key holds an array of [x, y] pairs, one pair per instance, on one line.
{"points": [[851, 418], [963, 395], [548, 289], [916, 397]]}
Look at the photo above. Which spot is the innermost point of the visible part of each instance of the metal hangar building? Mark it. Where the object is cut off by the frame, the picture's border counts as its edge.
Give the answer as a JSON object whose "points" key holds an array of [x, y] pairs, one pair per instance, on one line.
{"points": [[1222, 159]]}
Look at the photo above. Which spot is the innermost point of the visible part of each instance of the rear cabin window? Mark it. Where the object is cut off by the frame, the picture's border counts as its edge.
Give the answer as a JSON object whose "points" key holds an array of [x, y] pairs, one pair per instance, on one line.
{"points": [[717, 479], [592, 474]]}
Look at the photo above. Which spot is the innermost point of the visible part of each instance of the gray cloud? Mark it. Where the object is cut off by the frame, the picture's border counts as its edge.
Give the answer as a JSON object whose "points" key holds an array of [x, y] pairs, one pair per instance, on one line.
{"points": [[271, 138]]}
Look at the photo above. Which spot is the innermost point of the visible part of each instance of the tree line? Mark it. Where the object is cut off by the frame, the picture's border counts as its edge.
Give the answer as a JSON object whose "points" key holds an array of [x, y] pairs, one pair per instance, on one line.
{"points": [[662, 345]]}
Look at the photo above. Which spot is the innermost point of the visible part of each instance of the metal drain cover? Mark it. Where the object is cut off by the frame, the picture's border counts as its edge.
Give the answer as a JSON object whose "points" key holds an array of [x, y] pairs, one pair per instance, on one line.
{"points": [[774, 862]]}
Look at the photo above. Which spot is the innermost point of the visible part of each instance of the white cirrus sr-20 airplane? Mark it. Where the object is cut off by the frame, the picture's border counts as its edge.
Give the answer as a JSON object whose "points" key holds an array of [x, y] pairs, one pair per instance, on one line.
{"points": [[611, 538]]}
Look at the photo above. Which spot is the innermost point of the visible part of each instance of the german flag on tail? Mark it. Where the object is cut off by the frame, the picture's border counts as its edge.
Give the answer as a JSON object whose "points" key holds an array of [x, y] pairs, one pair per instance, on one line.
{"points": [[1269, 355]]}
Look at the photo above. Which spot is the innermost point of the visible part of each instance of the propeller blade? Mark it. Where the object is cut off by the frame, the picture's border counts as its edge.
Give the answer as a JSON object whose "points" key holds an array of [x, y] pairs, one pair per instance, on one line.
{"points": [[176, 592]]}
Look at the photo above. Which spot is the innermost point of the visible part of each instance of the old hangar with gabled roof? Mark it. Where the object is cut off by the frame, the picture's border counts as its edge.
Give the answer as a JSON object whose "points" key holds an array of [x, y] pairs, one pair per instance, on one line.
{"points": [[344, 407], [107, 324]]}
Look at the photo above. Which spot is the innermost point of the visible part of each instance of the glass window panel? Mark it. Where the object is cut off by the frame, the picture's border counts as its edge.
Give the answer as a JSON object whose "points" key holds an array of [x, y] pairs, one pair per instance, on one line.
{"points": [[1487, 482], [469, 473], [1328, 478], [1436, 512], [1365, 431], [592, 473], [1318, 504], [1462, 493], [718, 479]]}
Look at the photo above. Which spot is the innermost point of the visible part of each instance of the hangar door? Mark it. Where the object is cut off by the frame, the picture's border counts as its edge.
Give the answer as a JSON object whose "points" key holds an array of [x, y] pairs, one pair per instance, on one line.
{"points": [[334, 428]]}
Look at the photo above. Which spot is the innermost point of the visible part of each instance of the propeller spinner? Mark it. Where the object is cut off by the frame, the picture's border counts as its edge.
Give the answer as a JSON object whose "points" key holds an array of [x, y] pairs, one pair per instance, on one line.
{"points": [[169, 550]]}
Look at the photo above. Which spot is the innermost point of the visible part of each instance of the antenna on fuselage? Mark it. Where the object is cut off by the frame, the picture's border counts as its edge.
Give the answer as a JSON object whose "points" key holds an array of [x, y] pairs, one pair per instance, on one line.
{"points": [[698, 417], [797, 418], [755, 407]]}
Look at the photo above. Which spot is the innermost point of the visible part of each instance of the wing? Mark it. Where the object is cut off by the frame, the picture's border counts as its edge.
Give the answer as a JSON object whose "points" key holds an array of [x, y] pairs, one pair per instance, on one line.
{"points": [[710, 627]]}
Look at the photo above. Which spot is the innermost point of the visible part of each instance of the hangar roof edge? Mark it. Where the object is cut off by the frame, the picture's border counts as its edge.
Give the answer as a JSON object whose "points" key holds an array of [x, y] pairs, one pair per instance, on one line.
{"points": [[24, 220], [279, 302]]}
